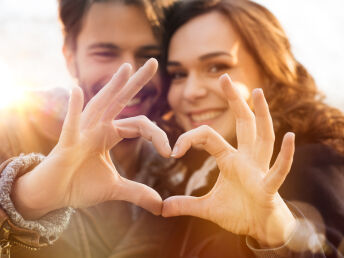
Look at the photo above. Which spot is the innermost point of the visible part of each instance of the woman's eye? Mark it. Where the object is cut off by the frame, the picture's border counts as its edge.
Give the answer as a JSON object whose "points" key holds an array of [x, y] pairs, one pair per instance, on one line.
{"points": [[216, 68]]}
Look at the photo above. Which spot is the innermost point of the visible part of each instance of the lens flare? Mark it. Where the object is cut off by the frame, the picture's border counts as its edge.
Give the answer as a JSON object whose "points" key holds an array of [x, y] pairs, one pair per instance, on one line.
{"points": [[11, 91]]}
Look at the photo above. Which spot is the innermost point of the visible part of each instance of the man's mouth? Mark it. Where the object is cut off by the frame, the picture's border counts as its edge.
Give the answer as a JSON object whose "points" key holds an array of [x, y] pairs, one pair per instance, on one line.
{"points": [[146, 92], [140, 104], [134, 101]]}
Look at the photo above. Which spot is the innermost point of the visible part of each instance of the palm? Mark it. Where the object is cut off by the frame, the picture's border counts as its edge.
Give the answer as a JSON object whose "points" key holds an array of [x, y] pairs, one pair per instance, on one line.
{"points": [[244, 198], [237, 194]]}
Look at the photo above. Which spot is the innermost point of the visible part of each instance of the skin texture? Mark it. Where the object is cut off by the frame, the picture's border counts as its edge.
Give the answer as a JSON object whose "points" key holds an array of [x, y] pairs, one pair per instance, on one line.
{"points": [[245, 198]]}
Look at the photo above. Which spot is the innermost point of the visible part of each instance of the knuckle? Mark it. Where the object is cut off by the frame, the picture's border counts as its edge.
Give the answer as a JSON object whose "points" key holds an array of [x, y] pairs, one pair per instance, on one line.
{"points": [[205, 129], [143, 119]]}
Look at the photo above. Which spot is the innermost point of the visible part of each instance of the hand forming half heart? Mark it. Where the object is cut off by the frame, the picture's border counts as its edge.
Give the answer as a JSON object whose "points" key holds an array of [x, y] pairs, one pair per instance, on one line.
{"points": [[79, 172], [244, 199]]}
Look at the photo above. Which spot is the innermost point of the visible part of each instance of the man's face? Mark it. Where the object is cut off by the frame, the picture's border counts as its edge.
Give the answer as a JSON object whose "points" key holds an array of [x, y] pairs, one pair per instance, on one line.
{"points": [[112, 34]]}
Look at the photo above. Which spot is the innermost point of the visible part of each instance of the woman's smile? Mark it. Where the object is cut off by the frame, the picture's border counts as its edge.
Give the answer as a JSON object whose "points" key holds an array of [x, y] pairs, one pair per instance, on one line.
{"points": [[205, 117]]}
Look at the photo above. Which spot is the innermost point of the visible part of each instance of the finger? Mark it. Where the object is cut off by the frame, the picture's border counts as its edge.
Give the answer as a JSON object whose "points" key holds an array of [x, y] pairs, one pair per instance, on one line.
{"points": [[138, 194], [132, 87], [202, 137], [281, 168], [100, 102], [141, 126], [245, 120], [183, 206], [70, 128], [265, 131]]}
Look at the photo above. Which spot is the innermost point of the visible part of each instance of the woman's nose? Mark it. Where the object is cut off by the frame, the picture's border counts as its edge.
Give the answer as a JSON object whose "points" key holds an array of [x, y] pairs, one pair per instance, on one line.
{"points": [[194, 88]]}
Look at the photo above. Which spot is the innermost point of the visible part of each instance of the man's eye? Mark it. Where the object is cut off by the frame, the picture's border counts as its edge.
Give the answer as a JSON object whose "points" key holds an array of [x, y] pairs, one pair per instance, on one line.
{"points": [[177, 75], [143, 59], [105, 54]]}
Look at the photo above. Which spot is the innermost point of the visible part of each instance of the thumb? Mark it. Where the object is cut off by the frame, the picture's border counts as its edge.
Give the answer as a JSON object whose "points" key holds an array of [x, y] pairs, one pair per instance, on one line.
{"points": [[139, 194], [183, 205]]}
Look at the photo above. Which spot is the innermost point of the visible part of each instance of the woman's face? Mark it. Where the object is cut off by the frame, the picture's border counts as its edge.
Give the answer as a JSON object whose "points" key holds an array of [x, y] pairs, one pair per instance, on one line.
{"points": [[200, 52]]}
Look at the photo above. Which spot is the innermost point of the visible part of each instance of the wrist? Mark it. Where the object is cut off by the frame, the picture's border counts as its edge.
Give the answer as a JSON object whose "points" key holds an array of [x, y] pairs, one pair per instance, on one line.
{"points": [[25, 201], [277, 227]]}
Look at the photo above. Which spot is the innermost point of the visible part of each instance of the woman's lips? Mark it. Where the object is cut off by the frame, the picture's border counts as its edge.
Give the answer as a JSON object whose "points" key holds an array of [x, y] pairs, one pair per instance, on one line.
{"points": [[204, 117]]}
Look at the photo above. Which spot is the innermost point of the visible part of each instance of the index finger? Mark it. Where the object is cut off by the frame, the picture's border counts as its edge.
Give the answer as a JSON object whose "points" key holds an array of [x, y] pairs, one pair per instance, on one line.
{"points": [[132, 87], [244, 117], [202, 137]]}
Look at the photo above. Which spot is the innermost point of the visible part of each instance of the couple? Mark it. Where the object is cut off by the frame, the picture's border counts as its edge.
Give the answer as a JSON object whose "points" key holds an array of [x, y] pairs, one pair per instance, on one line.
{"points": [[236, 189]]}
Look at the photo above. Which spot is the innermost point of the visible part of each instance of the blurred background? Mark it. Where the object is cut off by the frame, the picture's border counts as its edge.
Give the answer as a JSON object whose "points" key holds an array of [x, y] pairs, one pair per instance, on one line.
{"points": [[31, 42]]}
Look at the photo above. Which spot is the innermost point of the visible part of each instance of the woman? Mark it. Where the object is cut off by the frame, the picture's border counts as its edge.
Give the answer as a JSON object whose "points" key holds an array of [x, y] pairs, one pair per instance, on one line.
{"points": [[206, 39]]}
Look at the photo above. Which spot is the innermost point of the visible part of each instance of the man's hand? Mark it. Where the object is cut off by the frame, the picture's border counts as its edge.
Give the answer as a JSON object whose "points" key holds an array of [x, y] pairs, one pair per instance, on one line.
{"points": [[79, 172]]}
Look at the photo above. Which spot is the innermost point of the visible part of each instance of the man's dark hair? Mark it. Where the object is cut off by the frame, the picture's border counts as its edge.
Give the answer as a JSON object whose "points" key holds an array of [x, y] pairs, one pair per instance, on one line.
{"points": [[71, 13]]}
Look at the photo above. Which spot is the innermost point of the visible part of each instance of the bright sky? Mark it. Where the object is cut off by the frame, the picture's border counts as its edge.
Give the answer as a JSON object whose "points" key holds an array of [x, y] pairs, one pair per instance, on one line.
{"points": [[30, 45]]}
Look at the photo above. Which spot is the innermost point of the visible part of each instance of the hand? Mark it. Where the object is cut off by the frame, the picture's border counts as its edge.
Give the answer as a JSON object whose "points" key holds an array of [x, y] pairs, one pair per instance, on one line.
{"points": [[244, 199], [79, 172]]}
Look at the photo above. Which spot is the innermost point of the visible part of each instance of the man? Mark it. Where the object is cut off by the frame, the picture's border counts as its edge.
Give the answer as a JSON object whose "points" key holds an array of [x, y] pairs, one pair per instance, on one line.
{"points": [[99, 37]]}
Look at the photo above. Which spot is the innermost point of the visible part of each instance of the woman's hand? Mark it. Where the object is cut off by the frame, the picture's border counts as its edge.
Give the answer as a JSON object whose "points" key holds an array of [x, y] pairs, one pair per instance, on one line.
{"points": [[244, 199], [79, 172]]}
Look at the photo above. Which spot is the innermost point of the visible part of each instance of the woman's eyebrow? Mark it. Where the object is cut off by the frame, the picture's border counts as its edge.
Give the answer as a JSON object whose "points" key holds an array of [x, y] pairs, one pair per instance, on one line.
{"points": [[203, 57], [214, 54]]}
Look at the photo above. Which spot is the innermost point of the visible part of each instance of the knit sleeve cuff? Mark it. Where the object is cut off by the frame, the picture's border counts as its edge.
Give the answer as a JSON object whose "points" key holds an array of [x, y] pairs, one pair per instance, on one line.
{"points": [[51, 225]]}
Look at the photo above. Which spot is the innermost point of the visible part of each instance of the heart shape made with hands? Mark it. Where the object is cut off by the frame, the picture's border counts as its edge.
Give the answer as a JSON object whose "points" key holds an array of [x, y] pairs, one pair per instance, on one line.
{"points": [[79, 171]]}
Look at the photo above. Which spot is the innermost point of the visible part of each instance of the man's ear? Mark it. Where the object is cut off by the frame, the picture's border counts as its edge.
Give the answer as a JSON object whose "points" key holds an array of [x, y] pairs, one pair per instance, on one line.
{"points": [[70, 58]]}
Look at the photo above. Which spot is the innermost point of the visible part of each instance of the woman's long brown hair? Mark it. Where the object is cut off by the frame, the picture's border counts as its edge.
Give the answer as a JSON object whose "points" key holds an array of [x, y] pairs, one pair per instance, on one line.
{"points": [[295, 103]]}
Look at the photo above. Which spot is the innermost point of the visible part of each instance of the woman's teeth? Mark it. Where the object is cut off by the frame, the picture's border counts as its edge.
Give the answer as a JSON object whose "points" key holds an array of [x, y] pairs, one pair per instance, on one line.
{"points": [[133, 102], [206, 116]]}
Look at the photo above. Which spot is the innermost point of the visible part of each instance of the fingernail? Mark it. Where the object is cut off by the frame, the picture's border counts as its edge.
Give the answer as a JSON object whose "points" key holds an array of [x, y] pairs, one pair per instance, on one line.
{"points": [[174, 152], [226, 75], [258, 90], [122, 67], [291, 135]]}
